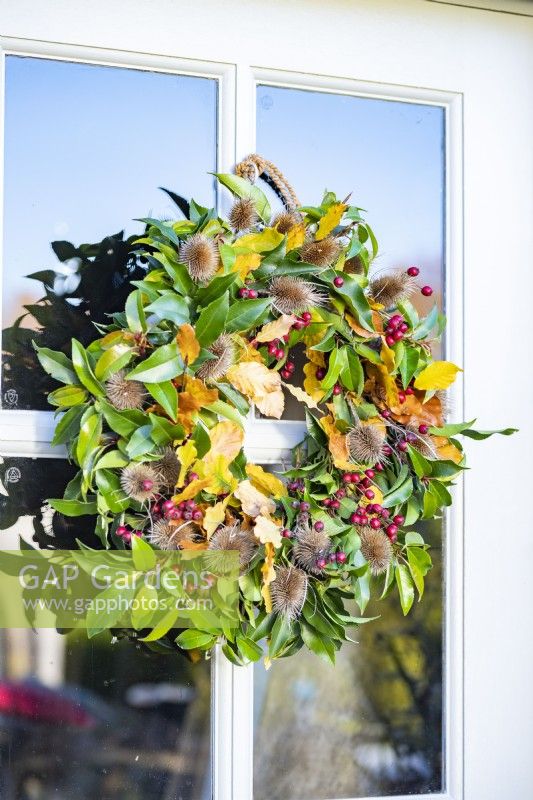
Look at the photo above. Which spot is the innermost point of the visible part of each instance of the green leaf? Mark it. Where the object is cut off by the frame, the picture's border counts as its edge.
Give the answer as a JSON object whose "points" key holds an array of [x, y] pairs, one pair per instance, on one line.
{"points": [[421, 465], [170, 306], [134, 311], [113, 459], [400, 494], [249, 649], [140, 442], [408, 365], [193, 640], [122, 422], [282, 631], [56, 364], [67, 396], [166, 395], [405, 587], [112, 360], [225, 410], [89, 436], [73, 508], [245, 313], [162, 365], [318, 644], [163, 626], [212, 320], [337, 362], [68, 426], [84, 370], [235, 397], [144, 557], [140, 617], [352, 292], [352, 375], [243, 188], [426, 325], [216, 288], [163, 431]]}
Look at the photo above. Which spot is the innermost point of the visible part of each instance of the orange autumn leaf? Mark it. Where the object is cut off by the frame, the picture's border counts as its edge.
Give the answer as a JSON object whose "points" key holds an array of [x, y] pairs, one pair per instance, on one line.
{"points": [[195, 395], [414, 412], [377, 322], [276, 329], [337, 443], [188, 344], [447, 451]]}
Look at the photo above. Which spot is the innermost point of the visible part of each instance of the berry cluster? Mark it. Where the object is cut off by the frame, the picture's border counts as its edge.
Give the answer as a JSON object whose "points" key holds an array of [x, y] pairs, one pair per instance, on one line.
{"points": [[247, 294], [396, 329]]}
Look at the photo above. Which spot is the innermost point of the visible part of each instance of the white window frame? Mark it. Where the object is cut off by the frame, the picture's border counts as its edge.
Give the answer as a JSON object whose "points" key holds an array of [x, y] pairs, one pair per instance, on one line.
{"points": [[28, 433]]}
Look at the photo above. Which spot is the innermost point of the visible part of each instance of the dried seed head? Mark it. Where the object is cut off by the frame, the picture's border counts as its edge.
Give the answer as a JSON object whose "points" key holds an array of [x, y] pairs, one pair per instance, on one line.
{"points": [[124, 394], [288, 591], [200, 255], [215, 368], [169, 536], [232, 537], [168, 467], [243, 215], [376, 548], [286, 220], [294, 295], [392, 289], [311, 545], [323, 253], [421, 441], [141, 482], [354, 266], [365, 444]]}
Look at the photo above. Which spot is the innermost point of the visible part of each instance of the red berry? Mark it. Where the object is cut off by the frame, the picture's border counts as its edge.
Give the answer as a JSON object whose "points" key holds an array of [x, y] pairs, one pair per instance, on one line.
{"points": [[320, 374], [337, 389], [391, 529], [356, 477], [427, 291], [137, 533], [385, 513], [404, 327], [244, 292], [290, 366], [354, 519], [272, 349], [168, 505], [285, 374], [401, 397], [369, 473], [371, 508], [252, 294], [190, 505], [286, 338], [385, 413], [321, 563], [181, 505], [370, 494], [365, 483], [398, 519], [298, 325], [402, 446], [286, 533], [375, 523], [187, 515], [379, 467], [338, 281], [347, 478], [390, 340], [387, 451], [197, 515], [127, 536], [147, 485], [413, 271], [398, 335], [193, 476], [423, 429], [363, 519], [395, 320], [280, 353], [319, 526], [340, 493], [307, 316], [327, 502], [304, 506], [377, 508], [335, 504], [156, 508], [176, 513], [410, 437], [122, 530], [409, 390], [341, 557], [332, 558]]}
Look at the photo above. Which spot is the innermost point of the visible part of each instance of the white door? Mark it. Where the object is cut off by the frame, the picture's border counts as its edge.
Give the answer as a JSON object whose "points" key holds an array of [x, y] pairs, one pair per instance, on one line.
{"points": [[422, 108]]}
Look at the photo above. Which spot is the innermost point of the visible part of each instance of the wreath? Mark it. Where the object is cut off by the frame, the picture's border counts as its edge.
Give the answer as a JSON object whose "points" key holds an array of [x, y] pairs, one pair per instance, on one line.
{"points": [[153, 412]]}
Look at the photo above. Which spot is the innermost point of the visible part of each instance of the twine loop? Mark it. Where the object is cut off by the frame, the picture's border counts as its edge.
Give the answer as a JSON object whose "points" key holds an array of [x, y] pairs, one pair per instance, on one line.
{"points": [[255, 166]]}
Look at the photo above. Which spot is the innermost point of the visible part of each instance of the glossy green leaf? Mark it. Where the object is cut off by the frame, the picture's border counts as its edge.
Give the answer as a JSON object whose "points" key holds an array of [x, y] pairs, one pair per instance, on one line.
{"points": [[170, 306], [212, 320], [84, 370], [144, 557], [162, 365], [245, 313], [73, 508], [166, 395], [243, 188], [405, 587], [195, 640], [56, 364], [67, 396]]}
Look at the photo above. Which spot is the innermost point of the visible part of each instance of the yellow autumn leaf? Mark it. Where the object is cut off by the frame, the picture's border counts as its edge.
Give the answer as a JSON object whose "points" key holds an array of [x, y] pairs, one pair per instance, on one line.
{"points": [[186, 455], [311, 383], [194, 396], [267, 531], [260, 385], [188, 344], [191, 490], [378, 497], [226, 439], [217, 474], [265, 482], [316, 357], [253, 502], [300, 395], [387, 356], [330, 220], [295, 236], [268, 239], [446, 451], [269, 574], [245, 263], [276, 329], [214, 516], [337, 443], [438, 375]]}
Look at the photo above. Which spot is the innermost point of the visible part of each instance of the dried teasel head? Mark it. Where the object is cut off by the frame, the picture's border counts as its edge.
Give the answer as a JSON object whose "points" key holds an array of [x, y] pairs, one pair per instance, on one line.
{"points": [[232, 537], [365, 444], [141, 482], [354, 266], [323, 253], [294, 295], [170, 536], [223, 350], [286, 220], [200, 255], [288, 591], [392, 289], [376, 548], [310, 545], [124, 394], [421, 441], [243, 215], [168, 467]]}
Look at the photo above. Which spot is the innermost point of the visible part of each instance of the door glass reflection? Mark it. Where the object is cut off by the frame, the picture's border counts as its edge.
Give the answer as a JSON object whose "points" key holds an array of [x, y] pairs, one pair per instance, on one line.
{"points": [[86, 149], [97, 718]]}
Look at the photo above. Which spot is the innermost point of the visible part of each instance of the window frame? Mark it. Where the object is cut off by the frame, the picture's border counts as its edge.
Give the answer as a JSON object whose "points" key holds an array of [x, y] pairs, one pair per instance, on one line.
{"points": [[28, 433]]}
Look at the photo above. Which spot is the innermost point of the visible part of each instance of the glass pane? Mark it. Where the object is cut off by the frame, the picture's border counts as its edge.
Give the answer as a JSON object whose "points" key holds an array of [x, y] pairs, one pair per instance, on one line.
{"points": [[372, 726], [86, 149], [91, 718]]}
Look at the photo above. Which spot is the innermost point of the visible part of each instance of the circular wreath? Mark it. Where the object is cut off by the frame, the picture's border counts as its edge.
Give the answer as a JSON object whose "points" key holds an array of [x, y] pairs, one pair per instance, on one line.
{"points": [[154, 410]]}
